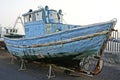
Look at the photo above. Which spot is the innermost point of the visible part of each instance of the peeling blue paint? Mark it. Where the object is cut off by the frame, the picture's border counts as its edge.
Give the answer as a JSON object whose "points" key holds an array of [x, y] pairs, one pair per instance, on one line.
{"points": [[48, 31]]}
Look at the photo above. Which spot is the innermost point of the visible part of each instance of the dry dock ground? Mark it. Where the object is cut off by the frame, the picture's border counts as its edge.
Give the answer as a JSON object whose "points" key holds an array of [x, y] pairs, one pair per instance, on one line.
{"points": [[37, 72]]}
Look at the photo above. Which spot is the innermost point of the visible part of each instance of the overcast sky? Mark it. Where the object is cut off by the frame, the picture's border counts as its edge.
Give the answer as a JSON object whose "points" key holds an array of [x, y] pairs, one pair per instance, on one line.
{"points": [[80, 12]]}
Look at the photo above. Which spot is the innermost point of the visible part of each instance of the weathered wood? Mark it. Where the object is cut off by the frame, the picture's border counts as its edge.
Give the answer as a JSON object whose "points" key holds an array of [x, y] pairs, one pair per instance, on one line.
{"points": [[62, 41]]}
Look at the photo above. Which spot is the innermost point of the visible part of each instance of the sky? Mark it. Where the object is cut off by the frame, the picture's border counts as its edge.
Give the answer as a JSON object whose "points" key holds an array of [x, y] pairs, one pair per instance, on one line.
{"points": [[78, 12]]}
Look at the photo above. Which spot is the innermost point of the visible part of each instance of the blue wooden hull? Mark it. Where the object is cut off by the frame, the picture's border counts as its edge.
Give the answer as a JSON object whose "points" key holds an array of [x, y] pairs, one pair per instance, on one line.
{"points": [[75, 43]]}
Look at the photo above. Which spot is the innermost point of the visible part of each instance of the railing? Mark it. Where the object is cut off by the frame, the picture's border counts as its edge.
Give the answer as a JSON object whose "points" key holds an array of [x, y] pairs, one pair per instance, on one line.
{"points": [[113, 45]]}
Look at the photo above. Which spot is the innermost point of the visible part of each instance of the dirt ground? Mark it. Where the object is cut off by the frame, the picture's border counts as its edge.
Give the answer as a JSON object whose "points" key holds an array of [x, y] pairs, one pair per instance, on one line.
{"points": [[37, 72]]}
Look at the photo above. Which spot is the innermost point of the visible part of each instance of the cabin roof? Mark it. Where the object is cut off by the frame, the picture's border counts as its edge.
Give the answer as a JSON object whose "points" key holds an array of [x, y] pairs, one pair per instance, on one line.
{"points": [[39, 10], [32, 12]]}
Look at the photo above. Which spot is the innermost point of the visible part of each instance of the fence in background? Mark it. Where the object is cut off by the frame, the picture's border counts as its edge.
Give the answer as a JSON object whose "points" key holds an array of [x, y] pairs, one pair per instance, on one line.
{"points": [[113, 45]]}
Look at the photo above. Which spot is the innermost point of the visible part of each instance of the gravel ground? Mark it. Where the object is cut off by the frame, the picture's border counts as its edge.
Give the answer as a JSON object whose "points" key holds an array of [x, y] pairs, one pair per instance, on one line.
{"points": [[37, 72]]}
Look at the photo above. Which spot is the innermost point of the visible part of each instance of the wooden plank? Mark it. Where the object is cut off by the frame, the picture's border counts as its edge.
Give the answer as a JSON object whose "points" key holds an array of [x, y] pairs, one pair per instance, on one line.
{"points": [[62, 41]]}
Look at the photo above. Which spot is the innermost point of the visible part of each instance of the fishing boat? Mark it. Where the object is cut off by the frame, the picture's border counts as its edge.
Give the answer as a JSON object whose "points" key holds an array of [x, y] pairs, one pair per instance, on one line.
{"points": [[48, 40]]}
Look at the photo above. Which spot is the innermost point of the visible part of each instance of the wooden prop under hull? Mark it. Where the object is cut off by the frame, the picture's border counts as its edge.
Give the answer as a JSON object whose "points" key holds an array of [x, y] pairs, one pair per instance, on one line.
{"points": [[98, 68], [77, 72]]}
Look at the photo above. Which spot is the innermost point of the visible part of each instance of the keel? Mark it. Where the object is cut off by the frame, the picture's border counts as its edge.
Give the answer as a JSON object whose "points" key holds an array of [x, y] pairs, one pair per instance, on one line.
{"points": [[98, 67]]}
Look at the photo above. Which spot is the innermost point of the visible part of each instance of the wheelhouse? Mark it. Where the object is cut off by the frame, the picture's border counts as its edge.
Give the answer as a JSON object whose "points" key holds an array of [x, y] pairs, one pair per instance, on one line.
{"points": [[44, 14], [44, 21]]}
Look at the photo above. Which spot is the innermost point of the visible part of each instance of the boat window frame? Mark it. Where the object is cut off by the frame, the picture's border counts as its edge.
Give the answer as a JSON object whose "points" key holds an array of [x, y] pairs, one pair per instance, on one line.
{"points": [[53, 15], [33, 16], [38, 15]]}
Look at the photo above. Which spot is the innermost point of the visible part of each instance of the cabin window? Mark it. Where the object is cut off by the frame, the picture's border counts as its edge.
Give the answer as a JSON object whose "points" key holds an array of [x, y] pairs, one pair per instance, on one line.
{"points": [[28, 18], [53, 17], [25, 19], [38, 16], [33, 17]]}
